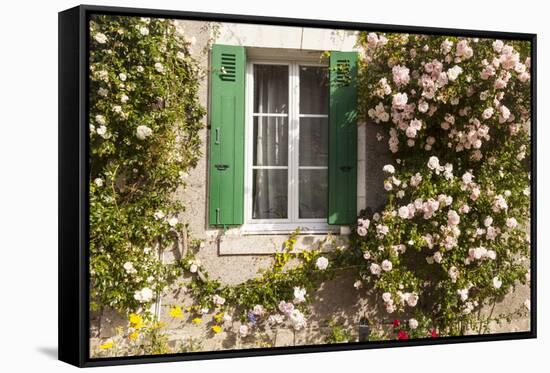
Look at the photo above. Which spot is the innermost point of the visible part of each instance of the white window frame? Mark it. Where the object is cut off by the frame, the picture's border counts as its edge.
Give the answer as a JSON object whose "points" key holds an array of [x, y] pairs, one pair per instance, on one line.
{"points": [[293, 221]]}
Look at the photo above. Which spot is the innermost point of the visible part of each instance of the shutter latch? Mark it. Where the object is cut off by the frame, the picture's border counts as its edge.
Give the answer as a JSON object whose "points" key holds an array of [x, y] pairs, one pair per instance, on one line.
{"points": [[221, 167]]}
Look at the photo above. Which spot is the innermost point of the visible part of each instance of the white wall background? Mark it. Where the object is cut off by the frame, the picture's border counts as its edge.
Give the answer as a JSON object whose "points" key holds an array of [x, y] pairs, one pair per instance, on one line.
{"points": [[28, 184]]}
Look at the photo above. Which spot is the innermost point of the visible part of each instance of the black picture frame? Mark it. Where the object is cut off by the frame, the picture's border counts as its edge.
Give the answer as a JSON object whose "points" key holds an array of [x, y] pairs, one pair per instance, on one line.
{"points": [[73, 149]]}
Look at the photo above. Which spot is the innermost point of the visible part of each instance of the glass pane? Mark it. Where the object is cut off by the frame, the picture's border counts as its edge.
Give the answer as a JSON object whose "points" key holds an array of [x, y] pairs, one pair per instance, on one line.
{"points": [[270, 141], [270, 89], [313, 90], [269, 194], [313, 141], [313, 194]]}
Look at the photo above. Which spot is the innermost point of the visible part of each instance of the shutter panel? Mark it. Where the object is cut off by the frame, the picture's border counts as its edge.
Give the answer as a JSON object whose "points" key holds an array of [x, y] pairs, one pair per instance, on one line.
{"points": [[342, 169], [226, 184]]}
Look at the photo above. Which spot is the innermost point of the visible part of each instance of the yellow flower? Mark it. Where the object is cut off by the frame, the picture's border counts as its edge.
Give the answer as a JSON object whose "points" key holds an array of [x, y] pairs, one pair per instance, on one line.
{"points": [[136, 321], [106, 345], [133, 336], [216, 329], [218, 317], [176, 312], [196, 320]]}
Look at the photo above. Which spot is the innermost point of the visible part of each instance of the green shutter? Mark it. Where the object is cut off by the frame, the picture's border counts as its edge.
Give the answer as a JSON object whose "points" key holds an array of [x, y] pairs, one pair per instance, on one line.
{"points": [[226, 184], [342, 169]]}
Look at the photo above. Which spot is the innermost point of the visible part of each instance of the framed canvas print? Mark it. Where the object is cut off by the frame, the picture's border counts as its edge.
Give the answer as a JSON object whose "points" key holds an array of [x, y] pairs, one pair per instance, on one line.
{"points": [[233, 186]]}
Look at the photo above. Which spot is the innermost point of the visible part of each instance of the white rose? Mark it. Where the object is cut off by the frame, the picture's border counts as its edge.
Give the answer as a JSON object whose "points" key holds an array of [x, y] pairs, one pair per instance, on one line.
{"points": [[387, 265], [142, 132], [100, 38], [389, 169], [453, 218], [122, 77], [412, 299], [299, 295], [386, 297], [433, 163], [403, 212], [497, 283], [243, 330], [375, 269], [173, 221], [511, 223], [159, 67], [454, 72], [99, 182], [413, 323], [321, 263]]}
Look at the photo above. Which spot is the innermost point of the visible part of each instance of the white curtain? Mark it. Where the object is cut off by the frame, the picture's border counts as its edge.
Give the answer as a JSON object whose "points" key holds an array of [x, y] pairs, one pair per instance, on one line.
{"points": [[270, 142]]}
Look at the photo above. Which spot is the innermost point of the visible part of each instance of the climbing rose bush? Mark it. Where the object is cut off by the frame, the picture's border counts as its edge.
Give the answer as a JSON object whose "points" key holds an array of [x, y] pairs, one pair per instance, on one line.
{"points": [[454, 234], [144, 122]]}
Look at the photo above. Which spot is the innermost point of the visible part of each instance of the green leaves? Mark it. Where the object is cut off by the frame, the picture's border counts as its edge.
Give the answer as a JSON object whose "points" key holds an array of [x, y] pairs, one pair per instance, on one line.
{"points": [[144, 118]]}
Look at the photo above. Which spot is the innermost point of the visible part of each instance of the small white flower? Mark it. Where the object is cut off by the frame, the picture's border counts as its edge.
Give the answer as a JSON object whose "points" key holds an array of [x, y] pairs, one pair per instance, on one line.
{"points": [[159, 215], [321, 263], [218, 300], [412, 299], [497, 283], [180, 55], [511, 223], [389, 169], [387, 265], [193, 268], [413, 323], [243, 330], [299, 295], [375, 269], [144, 295], [142, 132], [122, 77], [386, 297], [357, 284], [144, 31], [159, 67], [100, 119], [173, 221], [98, 182], [129, 267], [100, 38]]}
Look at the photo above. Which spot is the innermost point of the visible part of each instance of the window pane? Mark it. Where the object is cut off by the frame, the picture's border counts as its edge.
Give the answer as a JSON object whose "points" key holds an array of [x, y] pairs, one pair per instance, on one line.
{"points": [[270, 141], [313, 141], [269, 194], [270, 89], [313, 194], [313, 90]]}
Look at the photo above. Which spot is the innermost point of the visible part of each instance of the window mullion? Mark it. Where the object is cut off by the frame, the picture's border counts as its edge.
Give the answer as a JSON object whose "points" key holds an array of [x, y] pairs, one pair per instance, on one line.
{"points": [[294, 153]]}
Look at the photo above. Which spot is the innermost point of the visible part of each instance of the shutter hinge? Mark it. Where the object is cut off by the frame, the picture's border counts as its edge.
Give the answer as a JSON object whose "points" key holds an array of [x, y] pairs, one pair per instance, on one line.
{"points": [[218, 215]]}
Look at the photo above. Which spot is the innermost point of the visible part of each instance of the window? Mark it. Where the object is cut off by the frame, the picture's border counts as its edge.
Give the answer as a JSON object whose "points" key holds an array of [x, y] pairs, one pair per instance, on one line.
{"points": [[286, 171], [280, 158]]}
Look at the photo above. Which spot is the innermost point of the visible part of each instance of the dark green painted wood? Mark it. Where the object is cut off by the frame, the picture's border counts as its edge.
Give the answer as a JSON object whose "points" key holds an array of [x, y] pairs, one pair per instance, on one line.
{"points": [[226, 184], [342, 170]]}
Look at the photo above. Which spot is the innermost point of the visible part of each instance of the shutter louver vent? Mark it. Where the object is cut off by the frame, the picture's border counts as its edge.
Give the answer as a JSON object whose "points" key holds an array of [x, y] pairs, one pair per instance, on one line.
{"points": [[228, 67], [343, 72]]}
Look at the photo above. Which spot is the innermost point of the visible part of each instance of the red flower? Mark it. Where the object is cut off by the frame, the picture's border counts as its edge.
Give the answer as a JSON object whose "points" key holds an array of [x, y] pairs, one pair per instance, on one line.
{"points": [[434, 333], [402, 335], [396, 323]]}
